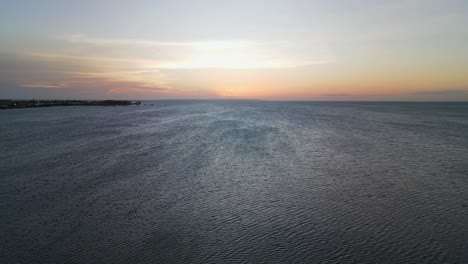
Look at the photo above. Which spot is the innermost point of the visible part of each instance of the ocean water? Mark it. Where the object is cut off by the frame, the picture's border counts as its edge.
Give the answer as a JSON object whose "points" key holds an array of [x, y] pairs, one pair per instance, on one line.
{"points": [[235, 182]]}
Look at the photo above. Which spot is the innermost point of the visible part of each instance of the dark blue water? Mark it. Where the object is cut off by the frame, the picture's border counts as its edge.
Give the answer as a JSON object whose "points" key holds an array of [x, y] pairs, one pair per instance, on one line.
{"points": [[235, 182]]}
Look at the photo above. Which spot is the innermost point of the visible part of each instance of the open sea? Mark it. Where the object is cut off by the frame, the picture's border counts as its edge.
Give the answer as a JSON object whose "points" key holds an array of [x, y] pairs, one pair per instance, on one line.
{"points": [[235, 182]]}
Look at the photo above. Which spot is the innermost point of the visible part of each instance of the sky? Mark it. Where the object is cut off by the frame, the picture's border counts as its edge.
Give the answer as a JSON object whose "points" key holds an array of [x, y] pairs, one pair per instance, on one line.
{"points": [[412, 50]]}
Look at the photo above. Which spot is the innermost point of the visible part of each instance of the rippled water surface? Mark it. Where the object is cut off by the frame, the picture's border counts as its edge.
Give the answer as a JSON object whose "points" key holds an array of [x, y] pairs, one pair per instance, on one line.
{"points": [[235, 182]]}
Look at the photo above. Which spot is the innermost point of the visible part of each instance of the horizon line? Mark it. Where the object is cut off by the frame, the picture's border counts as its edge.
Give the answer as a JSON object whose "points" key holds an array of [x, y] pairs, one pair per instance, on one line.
{"points": [[263, 100]]}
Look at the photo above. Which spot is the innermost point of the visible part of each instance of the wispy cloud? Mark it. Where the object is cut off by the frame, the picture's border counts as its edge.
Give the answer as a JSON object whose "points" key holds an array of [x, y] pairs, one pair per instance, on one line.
{"points": [[443, 92], [67, 74], [80, 38], [45, 85], [235, 54], [129, 88], [124, 66]]}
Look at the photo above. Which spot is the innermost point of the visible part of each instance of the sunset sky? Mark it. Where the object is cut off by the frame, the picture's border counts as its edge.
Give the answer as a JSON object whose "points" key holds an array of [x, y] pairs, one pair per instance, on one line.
{"points": [[281, 50]]}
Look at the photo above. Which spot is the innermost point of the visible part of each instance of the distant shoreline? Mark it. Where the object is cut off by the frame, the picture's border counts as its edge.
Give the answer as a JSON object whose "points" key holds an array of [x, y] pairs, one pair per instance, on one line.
{"points": [[18, 104]]}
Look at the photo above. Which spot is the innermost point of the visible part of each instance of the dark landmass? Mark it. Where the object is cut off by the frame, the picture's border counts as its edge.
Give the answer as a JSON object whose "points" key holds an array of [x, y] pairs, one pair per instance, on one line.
{"points": [[13, 104]]}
